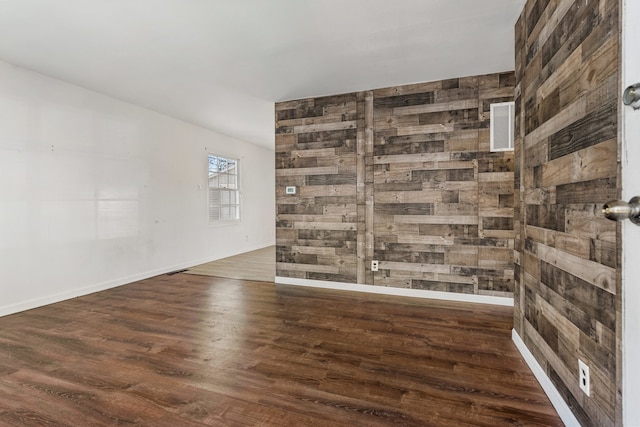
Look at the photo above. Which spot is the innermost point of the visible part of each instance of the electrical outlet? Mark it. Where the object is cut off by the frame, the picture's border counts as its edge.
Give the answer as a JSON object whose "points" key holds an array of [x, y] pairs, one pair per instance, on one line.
{"points": [[583, 376], [374, 265]]}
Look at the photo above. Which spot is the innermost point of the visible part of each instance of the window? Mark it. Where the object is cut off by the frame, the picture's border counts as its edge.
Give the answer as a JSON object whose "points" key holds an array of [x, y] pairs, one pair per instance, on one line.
{"points": [[224, 190], [502, 118]]}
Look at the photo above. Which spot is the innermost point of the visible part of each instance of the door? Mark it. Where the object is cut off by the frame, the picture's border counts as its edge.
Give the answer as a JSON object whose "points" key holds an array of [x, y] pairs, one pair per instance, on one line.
{"points": [[630, 232]]}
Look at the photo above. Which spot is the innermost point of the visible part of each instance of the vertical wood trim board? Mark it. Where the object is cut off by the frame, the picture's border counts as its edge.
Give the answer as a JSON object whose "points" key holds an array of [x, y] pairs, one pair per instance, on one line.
{"points": [[402, 175], [369, 233], [361, 190], [567, 256]]}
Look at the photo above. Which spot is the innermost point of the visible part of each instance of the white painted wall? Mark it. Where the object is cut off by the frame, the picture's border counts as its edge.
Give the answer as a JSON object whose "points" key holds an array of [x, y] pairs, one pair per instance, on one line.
{"points": [[631, 232], [95, 192]]}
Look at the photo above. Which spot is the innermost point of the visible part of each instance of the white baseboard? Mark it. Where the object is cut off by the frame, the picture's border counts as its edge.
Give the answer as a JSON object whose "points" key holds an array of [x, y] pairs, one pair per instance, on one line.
{"points": [[86, 290], [556, 399], [78, 292], [384, 290]]}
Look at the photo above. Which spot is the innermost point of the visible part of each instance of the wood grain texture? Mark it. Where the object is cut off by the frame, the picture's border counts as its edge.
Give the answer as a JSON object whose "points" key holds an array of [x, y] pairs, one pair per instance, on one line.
{"points": [[443, 203], [187, 350], [567, 293], [418, 189], [258, 265], [316, 151]]}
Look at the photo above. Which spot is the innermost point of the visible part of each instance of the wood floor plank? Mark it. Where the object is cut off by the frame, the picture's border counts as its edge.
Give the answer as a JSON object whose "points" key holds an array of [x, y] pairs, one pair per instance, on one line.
{"points": [[256, 265], [192, 350]]}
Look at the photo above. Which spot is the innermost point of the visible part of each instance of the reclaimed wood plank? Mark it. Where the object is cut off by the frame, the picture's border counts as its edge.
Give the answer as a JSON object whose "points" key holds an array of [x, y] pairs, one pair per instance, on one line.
{"points": [[582, 165]]}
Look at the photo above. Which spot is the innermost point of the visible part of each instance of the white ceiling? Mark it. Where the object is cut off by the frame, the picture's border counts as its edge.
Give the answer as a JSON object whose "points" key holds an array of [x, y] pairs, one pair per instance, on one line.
{"points": [[221, 64]]}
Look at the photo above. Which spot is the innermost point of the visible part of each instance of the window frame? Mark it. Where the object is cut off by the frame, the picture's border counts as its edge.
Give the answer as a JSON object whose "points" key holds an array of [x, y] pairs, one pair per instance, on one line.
{"points": [[511, 130], [237, 190]]}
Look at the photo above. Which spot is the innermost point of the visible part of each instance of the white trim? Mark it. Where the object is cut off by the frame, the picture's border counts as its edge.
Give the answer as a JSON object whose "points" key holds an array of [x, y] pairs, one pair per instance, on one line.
{"points": [[629, 150], [75, 293], [384, 290], [511, 113], [556, 399], [238, 190]]}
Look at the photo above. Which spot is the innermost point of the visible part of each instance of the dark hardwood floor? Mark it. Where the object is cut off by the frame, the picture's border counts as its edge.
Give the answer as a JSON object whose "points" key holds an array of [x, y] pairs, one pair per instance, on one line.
{"points": [[186, 350]]}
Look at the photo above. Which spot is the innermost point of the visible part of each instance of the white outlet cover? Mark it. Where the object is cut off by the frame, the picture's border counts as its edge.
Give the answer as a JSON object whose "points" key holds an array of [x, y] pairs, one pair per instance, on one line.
{"points": [[290, 190], [584, 378]]}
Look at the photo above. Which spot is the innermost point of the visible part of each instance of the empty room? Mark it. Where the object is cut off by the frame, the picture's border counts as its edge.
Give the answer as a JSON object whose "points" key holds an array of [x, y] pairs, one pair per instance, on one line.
{"points": [[319, 213]]}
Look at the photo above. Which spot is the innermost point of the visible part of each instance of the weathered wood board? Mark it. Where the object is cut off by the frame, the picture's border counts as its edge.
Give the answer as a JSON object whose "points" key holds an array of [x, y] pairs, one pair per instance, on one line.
{"points": [[402, 175], [443, 204], [317, 229], [567, 290]]}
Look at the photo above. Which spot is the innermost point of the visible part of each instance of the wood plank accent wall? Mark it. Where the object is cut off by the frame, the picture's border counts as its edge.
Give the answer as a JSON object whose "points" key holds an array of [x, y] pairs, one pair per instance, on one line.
{"points": [[567, 293], [317, 229], [443, 204], [402, 175]]}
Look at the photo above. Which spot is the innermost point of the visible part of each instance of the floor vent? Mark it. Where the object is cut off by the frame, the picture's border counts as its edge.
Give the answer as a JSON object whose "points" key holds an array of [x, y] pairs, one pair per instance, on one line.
{"points": [[176, 272]]}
